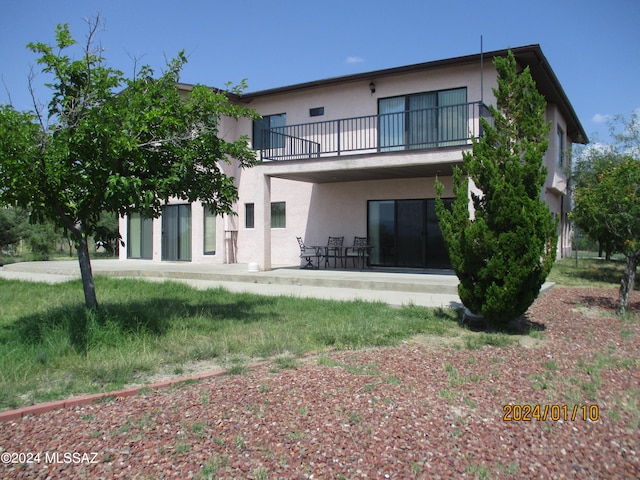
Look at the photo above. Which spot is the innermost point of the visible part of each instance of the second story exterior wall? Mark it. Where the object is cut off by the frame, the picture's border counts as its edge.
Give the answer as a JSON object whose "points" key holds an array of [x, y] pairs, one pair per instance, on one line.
{"points": [[354, 99], [364, 115]]}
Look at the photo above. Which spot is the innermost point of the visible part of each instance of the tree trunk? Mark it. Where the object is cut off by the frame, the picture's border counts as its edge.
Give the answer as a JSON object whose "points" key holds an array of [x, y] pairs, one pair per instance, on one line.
{"points": [[627, 283], [87, 276]]}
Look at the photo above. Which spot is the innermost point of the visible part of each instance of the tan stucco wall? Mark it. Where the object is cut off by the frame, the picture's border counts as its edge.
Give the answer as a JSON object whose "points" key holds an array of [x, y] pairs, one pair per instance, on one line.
{"points": [[317, 211], [355, 99]]}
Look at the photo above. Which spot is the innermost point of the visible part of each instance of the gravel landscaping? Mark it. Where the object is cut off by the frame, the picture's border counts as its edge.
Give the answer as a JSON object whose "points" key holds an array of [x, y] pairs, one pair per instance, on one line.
{"points": [[430, 408]]}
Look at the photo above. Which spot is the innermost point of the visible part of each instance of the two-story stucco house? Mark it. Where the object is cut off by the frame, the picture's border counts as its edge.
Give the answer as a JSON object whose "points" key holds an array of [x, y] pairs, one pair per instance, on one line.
{"points": [[356, 155]]}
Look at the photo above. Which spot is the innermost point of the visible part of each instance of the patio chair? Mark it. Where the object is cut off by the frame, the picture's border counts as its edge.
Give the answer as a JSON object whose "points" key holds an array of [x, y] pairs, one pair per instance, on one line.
{"points": [[309, 253], [358, 251], [334, 250]]}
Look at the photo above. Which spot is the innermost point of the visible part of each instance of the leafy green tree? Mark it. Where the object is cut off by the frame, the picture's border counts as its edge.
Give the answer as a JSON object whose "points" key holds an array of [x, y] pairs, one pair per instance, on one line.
{"points": [[605, 194], [107, 233], [590, 218], [626, 132], [42, 238], [113, 144], [9, 225], [503, 252], [13, 222], [613, 202]]}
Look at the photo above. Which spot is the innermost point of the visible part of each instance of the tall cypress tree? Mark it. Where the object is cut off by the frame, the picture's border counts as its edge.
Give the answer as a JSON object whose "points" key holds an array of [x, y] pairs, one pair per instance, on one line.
{"points": [[504, 250]]}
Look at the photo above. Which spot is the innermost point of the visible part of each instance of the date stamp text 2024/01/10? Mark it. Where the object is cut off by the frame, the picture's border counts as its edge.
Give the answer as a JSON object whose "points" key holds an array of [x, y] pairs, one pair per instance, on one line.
{"points": [[555, 412]]}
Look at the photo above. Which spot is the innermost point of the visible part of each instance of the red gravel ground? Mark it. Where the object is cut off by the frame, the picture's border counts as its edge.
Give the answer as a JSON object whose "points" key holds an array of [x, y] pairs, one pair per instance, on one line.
{"points": [[416, 411]]}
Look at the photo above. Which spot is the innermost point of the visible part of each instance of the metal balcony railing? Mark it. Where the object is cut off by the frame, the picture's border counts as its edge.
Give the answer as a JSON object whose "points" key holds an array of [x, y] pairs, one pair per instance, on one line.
{"points": [[409, 130]]}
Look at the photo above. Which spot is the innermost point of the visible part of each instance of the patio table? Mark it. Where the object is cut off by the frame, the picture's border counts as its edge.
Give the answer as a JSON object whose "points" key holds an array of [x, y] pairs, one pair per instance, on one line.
{"points": [[321, 251], [337, 252]]}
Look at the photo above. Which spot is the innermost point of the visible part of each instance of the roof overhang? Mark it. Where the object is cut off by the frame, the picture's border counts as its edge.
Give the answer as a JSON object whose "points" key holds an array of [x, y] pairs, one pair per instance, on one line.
{"points": [[550, 87]]}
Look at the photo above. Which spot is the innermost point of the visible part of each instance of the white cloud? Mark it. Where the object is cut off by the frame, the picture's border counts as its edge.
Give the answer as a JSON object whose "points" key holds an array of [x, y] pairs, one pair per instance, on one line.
{"points": [[354, 60], [601, 118], [597, 147]]}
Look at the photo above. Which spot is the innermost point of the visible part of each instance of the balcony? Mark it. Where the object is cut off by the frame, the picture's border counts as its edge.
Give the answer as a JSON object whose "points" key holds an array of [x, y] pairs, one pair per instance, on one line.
{"points": [[453, 125]]}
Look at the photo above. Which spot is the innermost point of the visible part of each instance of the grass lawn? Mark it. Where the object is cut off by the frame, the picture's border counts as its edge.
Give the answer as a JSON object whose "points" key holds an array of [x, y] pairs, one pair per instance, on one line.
{"points": [[52, 348], [590, 271]]}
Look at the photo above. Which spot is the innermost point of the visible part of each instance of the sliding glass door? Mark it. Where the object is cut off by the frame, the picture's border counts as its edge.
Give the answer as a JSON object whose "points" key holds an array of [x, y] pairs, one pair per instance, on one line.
{"points": [[382, 231], [405, 233], [140, 237], [422, 131], [423, 120], [410, 233], [176, 232], [453, 117], [392, 123]]}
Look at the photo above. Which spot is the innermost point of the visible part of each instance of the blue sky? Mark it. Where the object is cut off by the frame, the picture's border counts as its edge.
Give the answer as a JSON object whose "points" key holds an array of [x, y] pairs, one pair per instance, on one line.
{"points": [[593, 46]]}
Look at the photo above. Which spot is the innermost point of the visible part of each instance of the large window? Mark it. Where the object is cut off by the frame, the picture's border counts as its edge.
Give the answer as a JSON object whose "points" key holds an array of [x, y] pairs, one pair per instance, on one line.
{"points": [[406, 233], [209, 232], [140, 237], [176, 232], [265, 131], [424, 120]]}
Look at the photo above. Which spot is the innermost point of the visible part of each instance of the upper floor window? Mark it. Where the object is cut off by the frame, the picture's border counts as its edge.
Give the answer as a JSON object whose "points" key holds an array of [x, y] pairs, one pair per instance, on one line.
{"points": [[316, 112], [264, 135], [561, 147], [424, 120]]}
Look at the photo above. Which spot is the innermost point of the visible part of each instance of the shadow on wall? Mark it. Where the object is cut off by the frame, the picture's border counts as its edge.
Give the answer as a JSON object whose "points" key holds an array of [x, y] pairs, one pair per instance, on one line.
{"points": [[337, 210]]}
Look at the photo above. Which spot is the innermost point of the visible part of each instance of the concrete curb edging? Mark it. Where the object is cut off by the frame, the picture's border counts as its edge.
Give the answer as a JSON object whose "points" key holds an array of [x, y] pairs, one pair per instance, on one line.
{"points": [[84, 400]]}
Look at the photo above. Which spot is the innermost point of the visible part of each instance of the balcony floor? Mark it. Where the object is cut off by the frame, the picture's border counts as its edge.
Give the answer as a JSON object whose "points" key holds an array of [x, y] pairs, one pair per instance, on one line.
{"points": [[377, 166]]}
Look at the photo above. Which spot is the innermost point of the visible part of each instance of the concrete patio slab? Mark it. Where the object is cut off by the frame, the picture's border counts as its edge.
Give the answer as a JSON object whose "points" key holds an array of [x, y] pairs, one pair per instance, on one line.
{"points": [[394, 287]]}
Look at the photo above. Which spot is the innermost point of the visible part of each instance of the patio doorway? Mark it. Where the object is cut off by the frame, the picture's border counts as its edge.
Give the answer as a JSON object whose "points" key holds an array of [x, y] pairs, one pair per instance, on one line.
{"points": [[139, 237], [176, 232], [405, 233]]}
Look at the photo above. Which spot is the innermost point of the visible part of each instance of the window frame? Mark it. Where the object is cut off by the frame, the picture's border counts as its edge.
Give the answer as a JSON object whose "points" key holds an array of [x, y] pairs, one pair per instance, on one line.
{"points": [[278, 218], [268, 122], [403, 123], [249, 216], [144, 243], [177, 232], [561, 139], [213, 218]]}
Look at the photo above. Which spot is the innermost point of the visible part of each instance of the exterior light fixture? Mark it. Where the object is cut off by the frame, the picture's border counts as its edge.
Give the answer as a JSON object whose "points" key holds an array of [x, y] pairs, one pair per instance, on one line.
{"points": [[372, 87]]}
